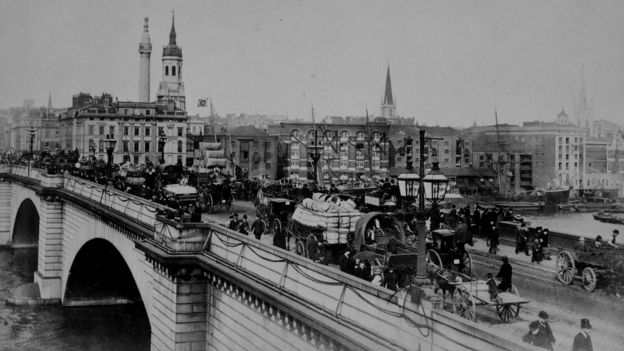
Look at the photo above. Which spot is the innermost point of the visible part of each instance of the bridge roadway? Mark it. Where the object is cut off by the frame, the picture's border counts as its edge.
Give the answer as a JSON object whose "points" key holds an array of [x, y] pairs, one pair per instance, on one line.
{"points": [[207, 287]]}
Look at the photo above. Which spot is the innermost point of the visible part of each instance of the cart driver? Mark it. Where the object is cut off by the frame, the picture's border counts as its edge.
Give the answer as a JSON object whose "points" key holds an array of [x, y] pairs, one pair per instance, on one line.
{"points": [[613, 236]]}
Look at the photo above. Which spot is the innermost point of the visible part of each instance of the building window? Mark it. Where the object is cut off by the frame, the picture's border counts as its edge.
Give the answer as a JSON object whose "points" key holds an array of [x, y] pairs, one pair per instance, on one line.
{"points": [[179, 145], [147, 131], [180, 131], [137, 131], [101, 146], [161, 130], [267, 166], [126, 131], [147, 146], [147, 112], [166, 70], [446, 151], [294, 163], [126, 111], [125, 146], [559, 165], [359, 164], [136, 146], [173, 70], [136, 159], [90, 130], [102, 132], [111, 131], [245, 155]]}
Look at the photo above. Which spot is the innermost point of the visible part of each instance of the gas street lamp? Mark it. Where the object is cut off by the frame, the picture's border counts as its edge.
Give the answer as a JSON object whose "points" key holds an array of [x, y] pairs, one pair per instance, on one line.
{"points": [[433, 188], [162, 140], [31, 137], [109, 145]]}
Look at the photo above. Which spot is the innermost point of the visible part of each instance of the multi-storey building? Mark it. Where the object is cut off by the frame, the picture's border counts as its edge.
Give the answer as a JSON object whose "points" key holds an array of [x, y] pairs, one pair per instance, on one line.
{"points": [[550, 155], [349, 151], [136, 126]]}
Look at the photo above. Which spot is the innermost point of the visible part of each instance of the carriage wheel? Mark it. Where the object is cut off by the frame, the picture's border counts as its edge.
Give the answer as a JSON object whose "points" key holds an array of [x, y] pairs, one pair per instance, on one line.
{"points": [[589, 279], [209, 204], [313, 250], [300, 248], [277, 226], [466, 260], [565, 267], [508, 312], [433, 258], [464, 305]]}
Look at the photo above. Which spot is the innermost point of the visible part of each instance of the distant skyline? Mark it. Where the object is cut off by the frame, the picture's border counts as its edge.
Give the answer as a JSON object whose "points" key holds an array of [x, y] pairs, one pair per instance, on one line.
{"points": [[452, 62]]}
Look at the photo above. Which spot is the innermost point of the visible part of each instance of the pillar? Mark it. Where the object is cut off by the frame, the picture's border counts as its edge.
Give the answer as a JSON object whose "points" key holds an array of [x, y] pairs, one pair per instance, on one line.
{"points": [[5, 213], [179, 310], [50, 260]]}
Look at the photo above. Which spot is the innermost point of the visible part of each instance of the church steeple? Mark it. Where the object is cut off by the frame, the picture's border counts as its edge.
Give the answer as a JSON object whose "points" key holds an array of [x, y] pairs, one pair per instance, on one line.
{"points": [[388, 96], [171, 87], [388, 108], [172, 33]]}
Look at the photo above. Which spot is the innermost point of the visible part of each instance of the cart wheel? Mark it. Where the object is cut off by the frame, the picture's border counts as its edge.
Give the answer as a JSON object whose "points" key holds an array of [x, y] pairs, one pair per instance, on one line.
{"points": [[565, 267], [313, 251], [433, 258], [277, 226], [467, 263], [589, 279], [464, 305], [508, 312], [209, 204], [300, 248]]}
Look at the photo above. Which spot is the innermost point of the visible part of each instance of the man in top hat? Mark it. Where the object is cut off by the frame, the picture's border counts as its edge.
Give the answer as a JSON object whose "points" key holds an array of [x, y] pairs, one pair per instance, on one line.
{"points": [[542, 334], [580, 245], [582, 340], [504, 274]]}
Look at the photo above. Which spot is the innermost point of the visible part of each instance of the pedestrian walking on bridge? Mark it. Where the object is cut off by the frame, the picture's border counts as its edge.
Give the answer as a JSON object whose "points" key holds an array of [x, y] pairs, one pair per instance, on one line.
{"points": [[504, 274], [582, 340], [540, 334]]}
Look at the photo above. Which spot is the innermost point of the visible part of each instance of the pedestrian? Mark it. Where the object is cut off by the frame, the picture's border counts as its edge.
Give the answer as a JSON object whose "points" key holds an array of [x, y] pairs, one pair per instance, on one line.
{"points": [[540, 334], [233, 223], [279, 239], [494, 238], [258, 227], [537, 251], [544, 244], [598, 242], [613, 236], [243, 226], [346, 262], [522, 239], [582, 340], [504, 274], [492, 287]]}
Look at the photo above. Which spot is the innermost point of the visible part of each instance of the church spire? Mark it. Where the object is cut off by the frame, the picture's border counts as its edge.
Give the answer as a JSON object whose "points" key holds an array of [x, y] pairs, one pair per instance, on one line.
{"points": [[172, 34], [388, 95]]}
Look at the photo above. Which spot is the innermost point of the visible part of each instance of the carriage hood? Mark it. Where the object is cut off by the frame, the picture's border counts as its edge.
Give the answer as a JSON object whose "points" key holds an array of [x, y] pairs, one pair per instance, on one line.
{"points": [[385, 220]]}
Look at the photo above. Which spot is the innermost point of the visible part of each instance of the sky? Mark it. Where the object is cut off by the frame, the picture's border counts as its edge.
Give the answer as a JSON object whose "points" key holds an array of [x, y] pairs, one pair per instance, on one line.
{"points": [[451, 62]]}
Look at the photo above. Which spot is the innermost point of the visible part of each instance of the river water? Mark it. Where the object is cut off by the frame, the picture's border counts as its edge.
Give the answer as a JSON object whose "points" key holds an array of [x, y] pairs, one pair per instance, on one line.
{"points": [[55, 328], [582, 224]]}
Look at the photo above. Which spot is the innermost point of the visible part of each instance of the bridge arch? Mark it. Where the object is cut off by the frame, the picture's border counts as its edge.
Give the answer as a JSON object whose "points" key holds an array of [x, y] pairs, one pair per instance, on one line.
{"points": [[100, 272], [26, 225]]}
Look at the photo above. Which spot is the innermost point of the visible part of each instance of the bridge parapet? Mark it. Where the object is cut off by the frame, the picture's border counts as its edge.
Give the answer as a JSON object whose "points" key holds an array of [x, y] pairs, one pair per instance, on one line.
{"points": [[134, 207], [181, 236]]}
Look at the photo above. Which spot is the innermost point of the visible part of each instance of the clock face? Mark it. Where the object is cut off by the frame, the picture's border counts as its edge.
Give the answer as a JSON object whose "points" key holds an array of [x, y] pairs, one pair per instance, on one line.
{"points": [[137, 112]]}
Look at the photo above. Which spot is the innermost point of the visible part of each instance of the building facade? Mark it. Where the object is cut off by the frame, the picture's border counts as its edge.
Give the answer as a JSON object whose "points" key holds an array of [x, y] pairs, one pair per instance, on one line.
{"points": [[347, 152], [135, 126]]}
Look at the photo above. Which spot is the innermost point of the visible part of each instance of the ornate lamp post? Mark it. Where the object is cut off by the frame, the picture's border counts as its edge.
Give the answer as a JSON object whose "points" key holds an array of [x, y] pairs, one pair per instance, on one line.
{"points": [[31, 138], [162, 140], [433, 188], [109, 145]]}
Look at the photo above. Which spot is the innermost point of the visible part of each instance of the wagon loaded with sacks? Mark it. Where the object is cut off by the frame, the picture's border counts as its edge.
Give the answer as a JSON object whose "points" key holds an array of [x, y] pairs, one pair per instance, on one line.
{"points": [[320, 223]]}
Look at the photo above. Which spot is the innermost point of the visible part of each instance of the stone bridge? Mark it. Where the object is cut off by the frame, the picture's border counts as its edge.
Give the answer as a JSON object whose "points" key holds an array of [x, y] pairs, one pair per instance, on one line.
{"points": [[205, 287]]}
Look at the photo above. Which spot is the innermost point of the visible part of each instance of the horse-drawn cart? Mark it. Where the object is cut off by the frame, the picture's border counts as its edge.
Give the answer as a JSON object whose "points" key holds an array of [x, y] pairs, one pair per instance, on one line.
{"points": [[467, 293], [595, 266]]}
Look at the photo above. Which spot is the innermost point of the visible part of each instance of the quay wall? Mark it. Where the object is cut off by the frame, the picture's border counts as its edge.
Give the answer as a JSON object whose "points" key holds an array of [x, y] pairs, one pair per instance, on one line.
{"points": [[508, 231]]}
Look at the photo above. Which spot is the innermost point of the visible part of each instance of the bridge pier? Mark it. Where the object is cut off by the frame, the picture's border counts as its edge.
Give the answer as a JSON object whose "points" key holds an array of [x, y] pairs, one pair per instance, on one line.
{"points": [[5, 213], [179, 310], [50, 260]]}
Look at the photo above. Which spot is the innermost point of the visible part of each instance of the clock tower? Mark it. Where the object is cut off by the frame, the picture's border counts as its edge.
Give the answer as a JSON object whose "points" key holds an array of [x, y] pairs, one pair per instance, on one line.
{"points": [[171, 87]]}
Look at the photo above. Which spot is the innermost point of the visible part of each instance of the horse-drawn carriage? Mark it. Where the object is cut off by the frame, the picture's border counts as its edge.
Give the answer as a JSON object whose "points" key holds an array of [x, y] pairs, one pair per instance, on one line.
{"points": [[466, 293], [215, 194], [602, 266], [276, 212], [445, 253]]}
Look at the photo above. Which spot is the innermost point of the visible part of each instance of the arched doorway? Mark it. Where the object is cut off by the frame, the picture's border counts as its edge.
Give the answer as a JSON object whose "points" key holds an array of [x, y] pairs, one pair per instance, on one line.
{"points": [[26, 226]]}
